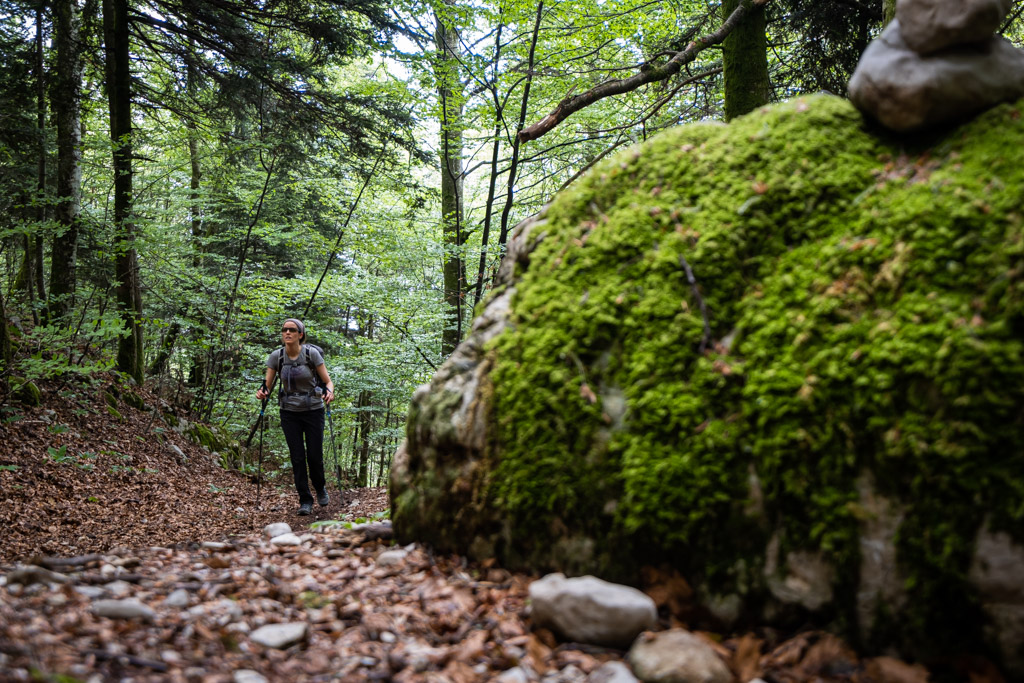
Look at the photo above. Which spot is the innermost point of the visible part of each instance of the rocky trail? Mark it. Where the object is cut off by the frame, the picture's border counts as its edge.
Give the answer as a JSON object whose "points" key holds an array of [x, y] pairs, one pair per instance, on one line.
{"points": [[124, 559]]}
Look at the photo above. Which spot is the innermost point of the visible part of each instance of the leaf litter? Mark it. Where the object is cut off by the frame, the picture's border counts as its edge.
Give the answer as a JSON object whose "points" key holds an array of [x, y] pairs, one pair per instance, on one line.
{"points": [[90, 512]]}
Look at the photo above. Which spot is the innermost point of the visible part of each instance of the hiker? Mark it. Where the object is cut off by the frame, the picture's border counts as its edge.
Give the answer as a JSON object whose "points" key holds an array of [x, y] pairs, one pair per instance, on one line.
{"points": [[301, 398]]}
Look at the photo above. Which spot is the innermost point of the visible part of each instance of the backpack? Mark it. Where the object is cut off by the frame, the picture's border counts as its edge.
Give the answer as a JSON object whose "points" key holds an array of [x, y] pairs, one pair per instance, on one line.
{"points": [[312, 368]]}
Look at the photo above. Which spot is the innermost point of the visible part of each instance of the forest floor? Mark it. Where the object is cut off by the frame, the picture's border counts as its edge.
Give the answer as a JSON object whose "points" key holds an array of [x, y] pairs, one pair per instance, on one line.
{"points": [[126, 523]]}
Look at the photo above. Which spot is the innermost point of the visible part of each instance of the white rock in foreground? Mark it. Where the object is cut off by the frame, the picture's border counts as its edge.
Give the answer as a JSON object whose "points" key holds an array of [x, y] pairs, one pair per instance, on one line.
{"points": [[276, 529], [280, 636], [676, 656], [286, 539], [589, 610]]}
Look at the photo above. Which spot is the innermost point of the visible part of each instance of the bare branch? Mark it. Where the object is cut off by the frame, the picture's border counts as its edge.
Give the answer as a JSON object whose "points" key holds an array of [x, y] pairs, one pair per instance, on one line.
{"points": [[574, 103]]}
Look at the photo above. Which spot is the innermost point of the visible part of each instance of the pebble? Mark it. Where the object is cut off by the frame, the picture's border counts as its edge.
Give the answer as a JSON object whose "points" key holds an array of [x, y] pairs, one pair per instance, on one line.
{"points": [[178, 598], [590, 610], [280, 636], [91, 592], [288, 539], [513, 675], [676, 656], [215, 545], [276, 529], [392, 558], [612, 672], [122, 609], [248, 676], [119, 589]]}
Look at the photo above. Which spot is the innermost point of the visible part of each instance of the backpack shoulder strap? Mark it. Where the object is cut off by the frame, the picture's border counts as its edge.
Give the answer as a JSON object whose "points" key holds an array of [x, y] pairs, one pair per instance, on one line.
{"points": [[312, 368]]}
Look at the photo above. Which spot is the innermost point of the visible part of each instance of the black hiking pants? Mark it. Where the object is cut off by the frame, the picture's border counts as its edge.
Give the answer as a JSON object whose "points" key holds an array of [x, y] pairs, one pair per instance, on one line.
{"points": [[304, 432]]}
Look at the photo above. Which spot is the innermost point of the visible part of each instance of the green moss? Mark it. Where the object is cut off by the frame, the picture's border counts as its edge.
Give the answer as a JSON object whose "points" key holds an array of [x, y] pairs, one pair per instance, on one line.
{"points": [[217, 441], [135, 401], [110, 398], [26, 392], [873, 293], [115, 413]]}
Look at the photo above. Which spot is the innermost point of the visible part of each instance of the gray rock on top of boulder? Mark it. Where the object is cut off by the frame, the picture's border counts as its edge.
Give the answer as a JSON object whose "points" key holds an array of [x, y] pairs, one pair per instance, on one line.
{"points": [[907, 92], [280, 636], [676, 656], [589, 610], [931, 25]]}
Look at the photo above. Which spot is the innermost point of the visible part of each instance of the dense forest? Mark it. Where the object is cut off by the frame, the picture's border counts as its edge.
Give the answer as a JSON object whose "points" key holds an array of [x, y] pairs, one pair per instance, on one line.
{"points": [[178, 176]]}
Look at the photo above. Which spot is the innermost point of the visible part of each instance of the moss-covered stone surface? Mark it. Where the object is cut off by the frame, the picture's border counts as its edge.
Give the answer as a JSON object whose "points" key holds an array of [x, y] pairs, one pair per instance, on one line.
{"points": [[725, 344]]}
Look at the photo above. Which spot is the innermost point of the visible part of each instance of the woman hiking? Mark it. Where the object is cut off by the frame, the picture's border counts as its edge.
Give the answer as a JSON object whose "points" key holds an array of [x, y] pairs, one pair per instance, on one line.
{"points": [[305, 390]]}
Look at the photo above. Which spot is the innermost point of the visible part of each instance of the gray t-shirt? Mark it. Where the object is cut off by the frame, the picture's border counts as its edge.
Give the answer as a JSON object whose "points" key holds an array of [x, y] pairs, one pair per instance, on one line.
{"points": [[297, 380]]}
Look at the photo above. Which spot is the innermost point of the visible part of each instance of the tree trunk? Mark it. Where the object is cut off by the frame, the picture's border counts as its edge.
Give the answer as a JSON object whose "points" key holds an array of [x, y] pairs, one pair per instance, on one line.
{"points": [[66, 97], [364, 419], [745, 61], [888, 11], [34, 247], [499, 121], [167, 345], [450, 93], [193, 148], [514, 165], [6, 350], [129, 295]]}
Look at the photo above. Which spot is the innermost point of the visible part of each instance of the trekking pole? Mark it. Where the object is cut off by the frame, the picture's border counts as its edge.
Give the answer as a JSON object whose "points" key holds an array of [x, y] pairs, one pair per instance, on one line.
{"points": [[259, 469], [334, 450], [262, 422]]}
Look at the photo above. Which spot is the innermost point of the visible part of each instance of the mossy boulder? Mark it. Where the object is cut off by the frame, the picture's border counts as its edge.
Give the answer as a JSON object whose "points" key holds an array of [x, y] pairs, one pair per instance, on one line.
{"points": [[26, 392], [216, 439], [784, 356]]}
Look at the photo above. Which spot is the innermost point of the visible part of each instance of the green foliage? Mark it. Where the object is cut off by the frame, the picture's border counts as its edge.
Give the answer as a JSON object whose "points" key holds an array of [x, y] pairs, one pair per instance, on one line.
{"points": [[59, 455], [55, 351]]}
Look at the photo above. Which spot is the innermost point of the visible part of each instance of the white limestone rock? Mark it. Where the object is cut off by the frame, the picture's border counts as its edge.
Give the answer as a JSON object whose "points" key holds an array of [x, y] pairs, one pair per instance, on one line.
{"points": [[392, 558], [280, 636], [286, 540], [277, 529], [248, 676], [129, 608], [589, 610], [676, 656], [612, 672], [178, 598]]}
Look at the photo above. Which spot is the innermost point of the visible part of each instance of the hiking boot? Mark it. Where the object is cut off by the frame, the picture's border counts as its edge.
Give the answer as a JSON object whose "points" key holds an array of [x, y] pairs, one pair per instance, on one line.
{"points": [[323, 499], [306, 509]]}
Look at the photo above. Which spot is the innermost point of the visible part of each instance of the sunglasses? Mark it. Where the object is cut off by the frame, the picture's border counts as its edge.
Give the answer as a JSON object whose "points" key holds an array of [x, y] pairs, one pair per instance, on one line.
{"points": [[289, 329]]}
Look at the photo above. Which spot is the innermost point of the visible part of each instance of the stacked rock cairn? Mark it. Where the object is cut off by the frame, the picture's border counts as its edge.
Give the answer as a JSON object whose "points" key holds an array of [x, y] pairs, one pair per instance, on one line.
{"points": [[937, 63]]}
